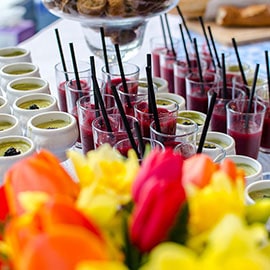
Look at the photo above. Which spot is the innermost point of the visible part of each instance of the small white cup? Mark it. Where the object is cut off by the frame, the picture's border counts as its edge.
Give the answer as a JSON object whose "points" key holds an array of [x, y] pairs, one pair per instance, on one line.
{"points": [[4, 105], [253, 168], [174, 97], [9, 125], [197, 117], [257, 187], [13, 71], [14, 54], [24, 86], [32, 104], [22, 146], [224, 140], [162, 84], [54, 131]]}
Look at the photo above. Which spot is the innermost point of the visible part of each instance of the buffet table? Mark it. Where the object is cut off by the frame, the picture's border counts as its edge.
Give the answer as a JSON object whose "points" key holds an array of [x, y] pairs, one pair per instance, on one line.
{"points": [[45, 53]]}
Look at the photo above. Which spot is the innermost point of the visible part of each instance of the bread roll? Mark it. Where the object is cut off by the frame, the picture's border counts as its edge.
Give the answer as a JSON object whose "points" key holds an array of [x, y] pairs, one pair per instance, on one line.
{"points": [[252, 16]]}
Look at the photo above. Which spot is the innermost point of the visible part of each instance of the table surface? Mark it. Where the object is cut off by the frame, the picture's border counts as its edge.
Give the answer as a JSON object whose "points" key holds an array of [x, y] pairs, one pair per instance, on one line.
{"points": [[45, 53]]}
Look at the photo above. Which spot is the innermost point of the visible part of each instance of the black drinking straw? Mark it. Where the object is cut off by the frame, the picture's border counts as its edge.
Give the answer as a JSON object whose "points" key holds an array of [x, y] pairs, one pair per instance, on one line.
{"points": [[239, 62], [125, 121], [207, 122], [267, 72], [224, 80], [252, 93], [140, 138], [207, 41], [185, 47], [163, 32], [253, 87], [78, 82], [61, 53], [152, 98], [184, 22], [214, 45], [123, 78], [99, 97], [149, 65], [169, 33], [94, 81], [104, 49], [199, 64]]}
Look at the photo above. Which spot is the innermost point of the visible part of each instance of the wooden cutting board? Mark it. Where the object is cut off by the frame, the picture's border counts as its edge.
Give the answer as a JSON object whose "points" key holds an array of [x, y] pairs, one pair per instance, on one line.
{"points": [[224, 35]]}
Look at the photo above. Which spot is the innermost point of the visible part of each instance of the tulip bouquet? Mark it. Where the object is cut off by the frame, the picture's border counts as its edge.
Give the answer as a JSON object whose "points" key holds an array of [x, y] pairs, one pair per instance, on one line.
{"points": [[167, 213]]}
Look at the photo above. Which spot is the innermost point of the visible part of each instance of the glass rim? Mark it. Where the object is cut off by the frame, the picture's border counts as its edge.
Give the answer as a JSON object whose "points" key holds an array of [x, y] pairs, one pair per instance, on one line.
{"points": [[61, 69], [262, 111], [103, 69]]}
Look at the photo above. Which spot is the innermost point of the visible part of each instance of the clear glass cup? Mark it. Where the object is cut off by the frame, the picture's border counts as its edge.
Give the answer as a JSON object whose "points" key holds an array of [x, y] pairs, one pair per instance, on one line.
{"points": [[124, 146], [262, 94], [218, 119], [62, 76], [73, 93], [165, 107], [137, 91], [113, 77], [178, 133], [196, 90], [245, 126], [101, 134], [87, 112]]}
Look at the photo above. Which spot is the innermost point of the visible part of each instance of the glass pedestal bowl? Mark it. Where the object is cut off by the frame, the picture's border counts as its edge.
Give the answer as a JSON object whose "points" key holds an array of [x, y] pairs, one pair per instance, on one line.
{"points": [[123, 21]]}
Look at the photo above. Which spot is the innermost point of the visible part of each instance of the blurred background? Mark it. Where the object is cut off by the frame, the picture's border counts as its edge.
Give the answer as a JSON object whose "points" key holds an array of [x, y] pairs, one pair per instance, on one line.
{"points": [[21, 19]]}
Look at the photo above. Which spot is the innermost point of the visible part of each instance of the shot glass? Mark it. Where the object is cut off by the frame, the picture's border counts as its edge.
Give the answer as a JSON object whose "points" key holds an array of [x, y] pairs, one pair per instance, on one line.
{"points": [[124, 146], [87, 112], [118, 132], [219, 118], [262, 94], [113, 77], [181, 69], [157, 46], [196, 90], [178, 133], [137, 91], [73, 94], [245, 125], [167, 60], [165, 107], [62, 76]]}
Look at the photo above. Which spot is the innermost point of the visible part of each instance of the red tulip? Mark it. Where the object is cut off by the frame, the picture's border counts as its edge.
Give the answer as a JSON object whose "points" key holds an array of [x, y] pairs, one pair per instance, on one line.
{"points": [[167, 165], [40, 172], [160, 196]]}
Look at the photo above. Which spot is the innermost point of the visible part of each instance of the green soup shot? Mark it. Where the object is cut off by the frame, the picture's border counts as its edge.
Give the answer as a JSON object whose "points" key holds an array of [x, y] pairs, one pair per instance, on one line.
{"points": [[249, 170], [12, 54], [5, 125], [193, 116], [13, 148], [19, 71], [55, 124], [260, 194], [26, 86], [35, 104]]}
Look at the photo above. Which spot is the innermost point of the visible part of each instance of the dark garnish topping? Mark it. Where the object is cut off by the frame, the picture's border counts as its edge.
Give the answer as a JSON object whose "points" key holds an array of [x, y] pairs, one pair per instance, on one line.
{"points": [[51, 128], [33, 107], [209, 145], [11, 152], [187, 123]]}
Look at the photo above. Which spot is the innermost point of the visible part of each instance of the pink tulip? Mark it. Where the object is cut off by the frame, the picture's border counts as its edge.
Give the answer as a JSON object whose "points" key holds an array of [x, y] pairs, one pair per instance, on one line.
{"points": [[159, 198]]}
